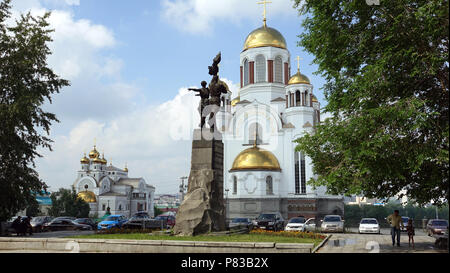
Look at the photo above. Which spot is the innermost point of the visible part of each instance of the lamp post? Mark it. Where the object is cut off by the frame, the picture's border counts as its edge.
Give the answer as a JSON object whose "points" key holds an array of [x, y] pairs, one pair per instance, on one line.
{"points": [[226, 208]]}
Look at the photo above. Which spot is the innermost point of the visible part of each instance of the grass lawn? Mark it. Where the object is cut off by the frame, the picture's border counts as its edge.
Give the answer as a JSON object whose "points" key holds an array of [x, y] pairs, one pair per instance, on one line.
{"points": [[224, 238]]}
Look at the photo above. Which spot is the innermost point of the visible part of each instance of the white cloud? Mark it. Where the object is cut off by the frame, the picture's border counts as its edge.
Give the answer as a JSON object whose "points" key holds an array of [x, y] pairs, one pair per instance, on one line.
{"points": [[198, 16]]}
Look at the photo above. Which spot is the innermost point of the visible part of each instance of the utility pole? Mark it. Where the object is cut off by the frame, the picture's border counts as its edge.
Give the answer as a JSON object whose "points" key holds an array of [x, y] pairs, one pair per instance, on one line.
{"points": [[182, 188]]}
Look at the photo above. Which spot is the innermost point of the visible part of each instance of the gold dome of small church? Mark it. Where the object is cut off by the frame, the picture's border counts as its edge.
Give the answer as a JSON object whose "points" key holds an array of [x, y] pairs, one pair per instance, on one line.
{"points": [[299, 78], [94, 153], [256, 158], [87, 196], [265, 36]]}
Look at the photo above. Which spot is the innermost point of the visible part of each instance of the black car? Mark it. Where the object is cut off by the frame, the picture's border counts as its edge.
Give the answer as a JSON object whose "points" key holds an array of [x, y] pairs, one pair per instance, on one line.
{"points": [[38, 222], [65, 224], [270, 221], [86, 221]]}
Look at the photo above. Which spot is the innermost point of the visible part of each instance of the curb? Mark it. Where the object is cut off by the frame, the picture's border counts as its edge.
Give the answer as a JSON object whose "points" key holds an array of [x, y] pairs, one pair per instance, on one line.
{"points": [[321, 244]]}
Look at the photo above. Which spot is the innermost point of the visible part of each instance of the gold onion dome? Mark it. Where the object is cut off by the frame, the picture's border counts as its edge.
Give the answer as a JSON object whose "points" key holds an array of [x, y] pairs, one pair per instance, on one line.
{"points": [[87, 196], [265, 36], [299, 78], [314, 99], [98, 160], [235, 101], [84, 160], [256, 158], [94, 153]]}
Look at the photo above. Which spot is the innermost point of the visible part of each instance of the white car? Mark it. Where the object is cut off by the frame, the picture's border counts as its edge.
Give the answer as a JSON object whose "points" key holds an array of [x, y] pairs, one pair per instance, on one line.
{"points": [[295, 224], [332, 223], [369, 225], [310, 225]]}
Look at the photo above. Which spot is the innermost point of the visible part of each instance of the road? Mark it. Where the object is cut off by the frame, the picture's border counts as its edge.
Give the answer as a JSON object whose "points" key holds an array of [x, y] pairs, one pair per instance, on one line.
{"points": [[352, 242]]}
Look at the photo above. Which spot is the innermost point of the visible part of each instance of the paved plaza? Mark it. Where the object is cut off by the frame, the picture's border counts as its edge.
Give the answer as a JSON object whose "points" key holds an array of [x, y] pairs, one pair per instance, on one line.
{"points": [[378, 243]]}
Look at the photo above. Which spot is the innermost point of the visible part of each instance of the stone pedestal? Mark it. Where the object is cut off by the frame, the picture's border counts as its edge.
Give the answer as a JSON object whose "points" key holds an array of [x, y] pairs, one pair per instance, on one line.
{"points": [[203, 207]]}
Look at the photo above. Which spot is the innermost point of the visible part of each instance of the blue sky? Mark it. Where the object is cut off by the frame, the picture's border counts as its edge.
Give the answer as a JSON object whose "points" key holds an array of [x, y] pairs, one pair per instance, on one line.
{"points": [[130, 62]]}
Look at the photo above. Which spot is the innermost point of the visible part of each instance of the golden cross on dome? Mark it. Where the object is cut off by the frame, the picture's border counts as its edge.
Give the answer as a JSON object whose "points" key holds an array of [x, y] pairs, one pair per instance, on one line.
{"points": [[298, 63], [265, 12]]}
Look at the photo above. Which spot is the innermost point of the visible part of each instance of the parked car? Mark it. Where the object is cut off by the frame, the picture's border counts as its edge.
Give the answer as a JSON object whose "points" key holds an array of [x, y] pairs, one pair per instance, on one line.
{"points": [[241, 223], [65, 224], [86, 221], [38, 223], [272, 221], [437, 227], [310, 225], [138, 221], [168, 219], [295, 224], [405, 223], [369, 225], [332, 223], [112, 221]]}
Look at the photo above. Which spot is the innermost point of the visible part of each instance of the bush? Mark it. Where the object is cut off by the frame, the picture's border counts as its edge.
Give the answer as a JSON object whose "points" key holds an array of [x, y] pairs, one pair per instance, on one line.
{"points": [[292, 234]]}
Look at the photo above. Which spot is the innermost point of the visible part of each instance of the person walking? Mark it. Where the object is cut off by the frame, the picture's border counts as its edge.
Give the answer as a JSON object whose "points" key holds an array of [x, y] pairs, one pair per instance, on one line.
{"points": [[395, 220], [411, 233], [28, 226]]}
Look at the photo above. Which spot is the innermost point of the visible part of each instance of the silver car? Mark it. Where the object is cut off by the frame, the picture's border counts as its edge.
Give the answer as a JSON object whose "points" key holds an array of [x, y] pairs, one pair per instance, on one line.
{"points": [[332, 223]]}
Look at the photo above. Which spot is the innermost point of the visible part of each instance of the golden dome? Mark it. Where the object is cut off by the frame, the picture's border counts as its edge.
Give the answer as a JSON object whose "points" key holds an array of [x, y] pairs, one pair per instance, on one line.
{"points": [[314, 99], [299, 78], [235, 101], [104, 161], [94, 153], [84, 160], [87, 196], [256, 158], [98, 160], [265, 36]]}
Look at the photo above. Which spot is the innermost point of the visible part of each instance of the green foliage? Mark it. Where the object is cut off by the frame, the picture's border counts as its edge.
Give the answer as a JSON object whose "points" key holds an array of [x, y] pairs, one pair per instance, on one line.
{"points": [[33, 209], [387, 90], [26, 83], [66, 203]]}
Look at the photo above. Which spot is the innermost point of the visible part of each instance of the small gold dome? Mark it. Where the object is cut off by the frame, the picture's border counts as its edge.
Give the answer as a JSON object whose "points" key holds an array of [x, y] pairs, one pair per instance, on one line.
{"points": [[235, 101], [87, 196], [256, 158], [299, 78], [94, 153], [314, 99], [104, 161], [84, 160], [98, 160], [265, 36]]}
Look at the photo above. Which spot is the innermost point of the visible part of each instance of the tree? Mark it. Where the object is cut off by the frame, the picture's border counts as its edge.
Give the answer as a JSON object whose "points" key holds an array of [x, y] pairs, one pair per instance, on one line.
{"points": [[33, 209], [157, 211], [66, 203], [26, 83], [386, 68]]}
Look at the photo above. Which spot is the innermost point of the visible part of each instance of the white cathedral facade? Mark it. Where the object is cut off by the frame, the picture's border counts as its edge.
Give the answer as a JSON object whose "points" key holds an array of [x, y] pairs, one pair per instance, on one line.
{"points": [[262, 171], [108, 188]]}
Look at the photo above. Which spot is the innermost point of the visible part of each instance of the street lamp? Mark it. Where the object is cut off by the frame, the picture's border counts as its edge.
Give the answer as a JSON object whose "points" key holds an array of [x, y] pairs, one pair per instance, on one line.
{"points": [[226, 208]]}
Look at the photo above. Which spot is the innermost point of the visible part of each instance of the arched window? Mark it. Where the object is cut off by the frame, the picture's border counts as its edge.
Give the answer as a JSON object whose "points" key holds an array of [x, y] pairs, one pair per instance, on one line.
{"points": [[269, 185], [297, 98], [260, 68], [120, 207], [246, 73], [234, 185], [278, 71]]}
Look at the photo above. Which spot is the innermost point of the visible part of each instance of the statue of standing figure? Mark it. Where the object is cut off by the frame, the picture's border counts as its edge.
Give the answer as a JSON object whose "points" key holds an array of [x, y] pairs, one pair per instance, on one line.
{"points": [[204, 95], [211, 95]]}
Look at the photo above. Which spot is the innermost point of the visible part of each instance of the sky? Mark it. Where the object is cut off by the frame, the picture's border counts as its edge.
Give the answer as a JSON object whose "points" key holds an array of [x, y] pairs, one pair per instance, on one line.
{"points": [[130, 64]]}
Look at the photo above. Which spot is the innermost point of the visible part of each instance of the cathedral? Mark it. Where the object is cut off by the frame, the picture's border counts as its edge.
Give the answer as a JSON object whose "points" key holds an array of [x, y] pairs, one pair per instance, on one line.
{"points": [[108, 188], [262, 171]]}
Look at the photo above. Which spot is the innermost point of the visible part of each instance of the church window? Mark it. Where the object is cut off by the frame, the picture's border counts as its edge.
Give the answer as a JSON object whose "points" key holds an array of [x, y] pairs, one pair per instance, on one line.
{"points": [[120, 207], [269, 185], [234, 185], [246, 72], [303, 173], [103, 207], [260, 68], [278, 70], [297, 98]]}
